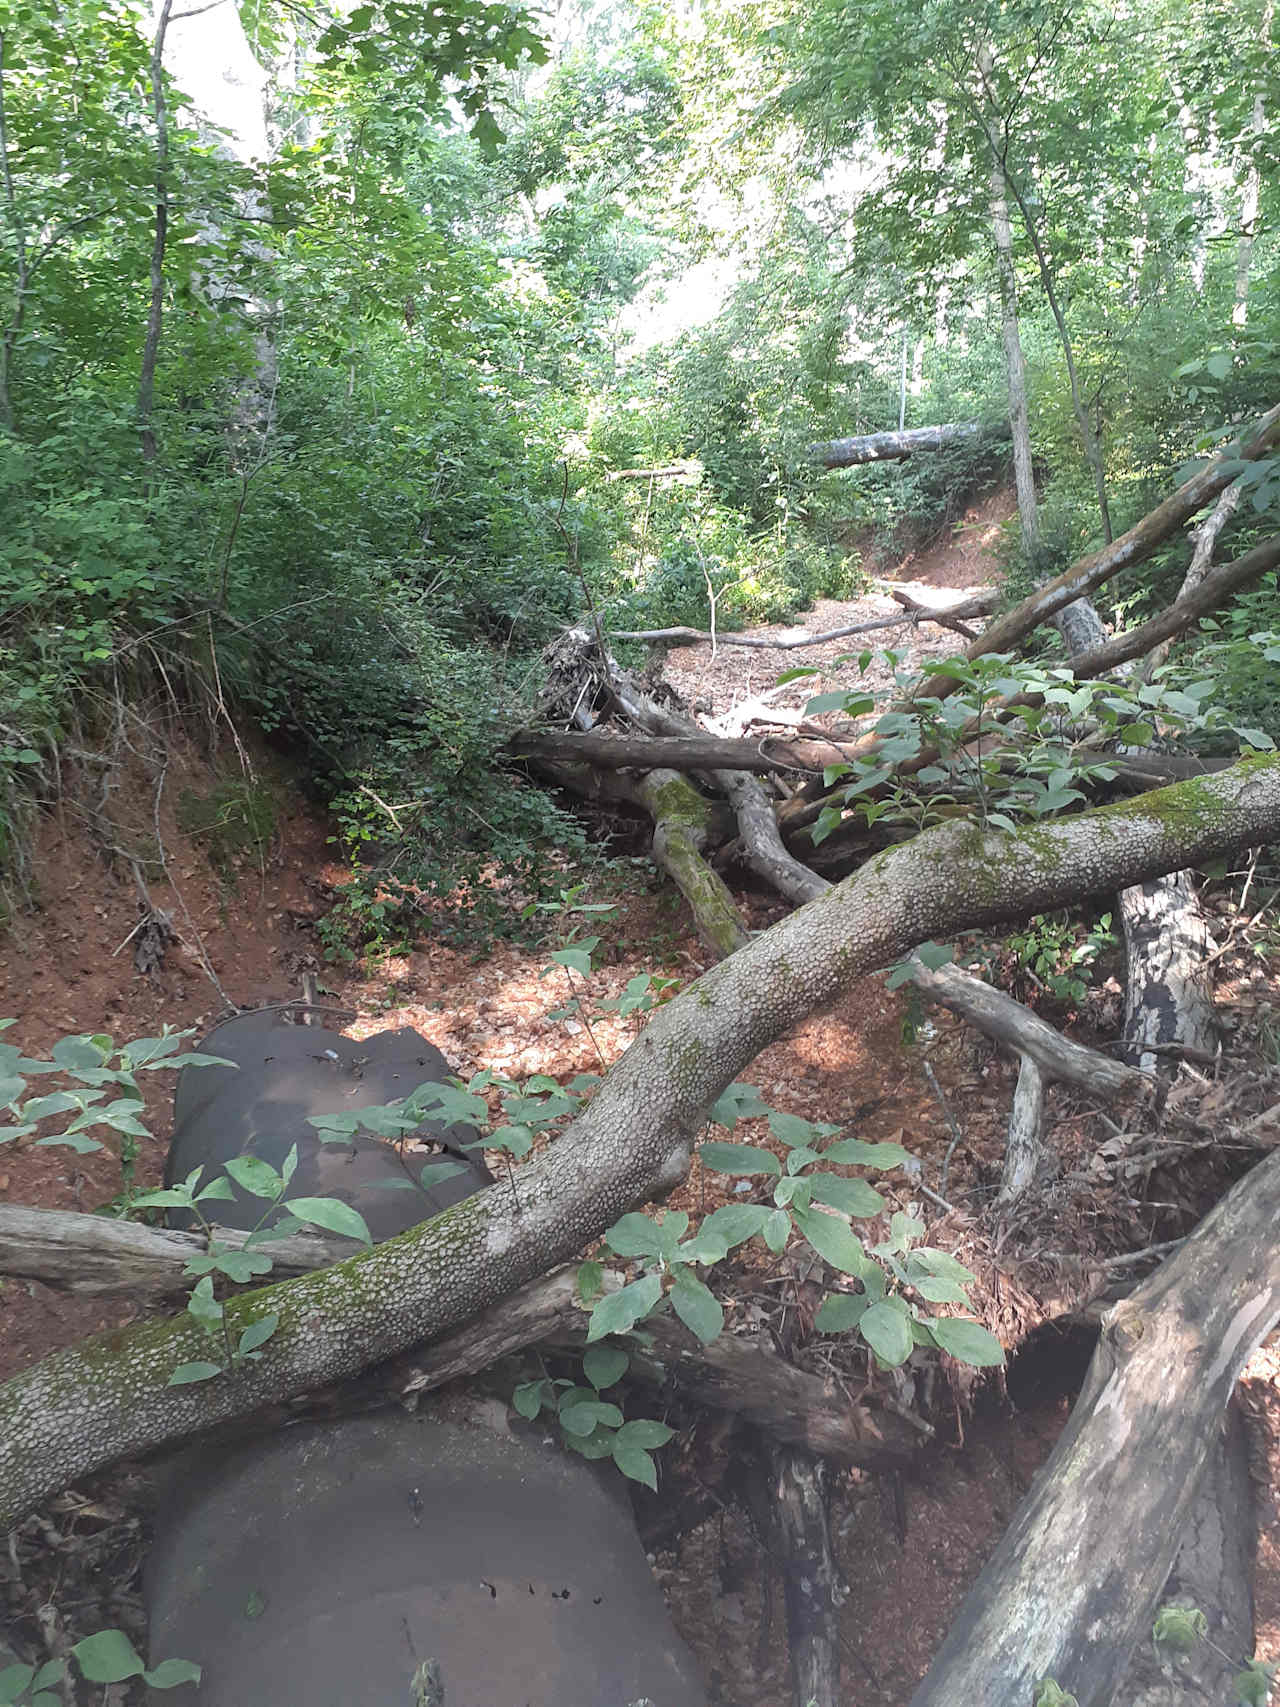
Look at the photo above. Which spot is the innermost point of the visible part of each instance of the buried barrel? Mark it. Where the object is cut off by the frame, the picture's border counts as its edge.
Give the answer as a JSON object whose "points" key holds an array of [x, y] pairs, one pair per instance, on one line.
{"points": [[283, 1076], [455, 1555]]}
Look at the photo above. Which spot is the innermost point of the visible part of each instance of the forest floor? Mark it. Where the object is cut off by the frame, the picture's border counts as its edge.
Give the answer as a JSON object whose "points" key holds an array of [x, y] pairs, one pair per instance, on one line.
{"points": [[909, 1546]]}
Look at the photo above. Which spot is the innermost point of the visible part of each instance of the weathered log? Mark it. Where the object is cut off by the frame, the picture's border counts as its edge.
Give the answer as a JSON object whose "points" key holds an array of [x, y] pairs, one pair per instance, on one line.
{"points": [[681, 831], [1073, 1585], [91, 1254], [670, 471], [1213, 1572], [811, 1586], [699, 752], [1168, 999], [1008, 1022], [948, 616], [1024, 1147], [86, 1406], [890, 447]]}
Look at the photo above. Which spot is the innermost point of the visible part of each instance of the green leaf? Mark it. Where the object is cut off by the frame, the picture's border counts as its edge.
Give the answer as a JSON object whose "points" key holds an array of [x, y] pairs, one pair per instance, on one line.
{"points": [[528, 1398], [937, 1291], [888, 1332], [840, 1311], [739, 1159], [853, 1151], [203, 1306], [169, 1673], [619, 1312], [851, 1196], [832, 1239], [645, 1432], [697, 1306], [13, 1680], [435, 1172], [590, 1280], [967, 1341], [188, 1372], [72, 1053], [52, 1671], [731, 1225], [777, 1230], [333, 1216], [795, 1132], [941, 1263], [241, 1266], [636, 1463], [257, 1333], [69, 1141], [581, 1417], [738, 1102], [838, 700], [255, 1176], [578, 958], [603, 1365], [108, 1657], [634, 1236]]}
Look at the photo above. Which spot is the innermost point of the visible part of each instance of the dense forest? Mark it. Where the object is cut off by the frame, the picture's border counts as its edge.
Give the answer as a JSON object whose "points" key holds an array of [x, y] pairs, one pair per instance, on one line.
{"points": [[392, 393]]}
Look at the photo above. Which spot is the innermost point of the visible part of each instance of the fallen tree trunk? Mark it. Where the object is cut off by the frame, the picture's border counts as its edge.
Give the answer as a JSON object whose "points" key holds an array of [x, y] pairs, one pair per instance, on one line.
{"points": [[811, 1584], [93, 1403], [1073, 1585], [681, 830], [948, 616], [678, 752], [1167, 1000], [1089, 573], [890, 447], [1213, 1573]]}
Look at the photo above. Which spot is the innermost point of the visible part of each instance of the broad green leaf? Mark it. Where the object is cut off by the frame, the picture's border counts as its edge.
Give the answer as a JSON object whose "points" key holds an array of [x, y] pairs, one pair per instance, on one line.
{"points": [[734, 1223], [832, 1239], [853, 1151], [634, 1235], [255, 1176], [332, 1215], [71, 1053], [13, 1680], [840, 1311], [603, 1365], [619, 1312], [697, 1306], [258, 1333], [888, 1332], [645, 1432], [851, 1196], [171, 1197], [941, 1263], [108, 1657], [589, 1281], [242, 1266], [169, 1673], [738, 1159], [967, 1341], [581, 1418], [528, 1397], [738, 1102], [937, 1291], [777, 1230], [202, 1306], [436, 1172], [636, 1463]]}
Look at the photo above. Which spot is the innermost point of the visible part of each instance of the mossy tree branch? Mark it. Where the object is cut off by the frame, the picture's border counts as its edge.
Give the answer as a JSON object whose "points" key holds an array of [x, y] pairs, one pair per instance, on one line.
{"points": [[108, 1397]]}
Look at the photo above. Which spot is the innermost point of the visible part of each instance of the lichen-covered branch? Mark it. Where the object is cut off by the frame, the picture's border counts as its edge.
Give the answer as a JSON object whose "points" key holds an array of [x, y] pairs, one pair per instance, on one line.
{"points": [[108, 1397]]}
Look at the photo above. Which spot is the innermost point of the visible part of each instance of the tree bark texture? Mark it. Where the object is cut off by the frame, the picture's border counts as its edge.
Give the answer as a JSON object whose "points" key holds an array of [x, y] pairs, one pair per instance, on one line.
{"points": [[108, 1397], [802, 1546], [681, 831], [1014, 365], [1073, 1585], [890, 447], [1168, 1000], [1213, 1572]]}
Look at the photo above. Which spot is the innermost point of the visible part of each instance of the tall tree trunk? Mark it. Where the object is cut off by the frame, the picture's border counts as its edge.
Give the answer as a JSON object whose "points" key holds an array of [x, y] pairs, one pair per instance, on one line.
{"points": [[22, 276], [155, 312], [1000, 163], [1014, 364]]}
